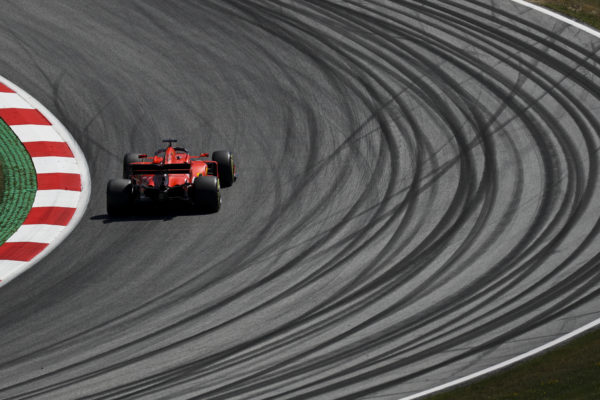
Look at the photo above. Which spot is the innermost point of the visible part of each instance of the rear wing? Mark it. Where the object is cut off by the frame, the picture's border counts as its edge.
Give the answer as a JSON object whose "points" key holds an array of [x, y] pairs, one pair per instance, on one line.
{"points": [[156, 169]]}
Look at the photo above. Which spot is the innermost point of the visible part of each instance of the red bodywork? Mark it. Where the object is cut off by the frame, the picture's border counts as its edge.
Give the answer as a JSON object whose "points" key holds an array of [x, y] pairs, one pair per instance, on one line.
{"points": [[169, 173]]}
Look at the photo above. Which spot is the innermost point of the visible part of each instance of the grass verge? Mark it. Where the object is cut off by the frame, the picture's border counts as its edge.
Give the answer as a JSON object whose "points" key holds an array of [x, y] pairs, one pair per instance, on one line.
{"points": [[586, 11], [19, 182], [1, 181], [571, 371]]}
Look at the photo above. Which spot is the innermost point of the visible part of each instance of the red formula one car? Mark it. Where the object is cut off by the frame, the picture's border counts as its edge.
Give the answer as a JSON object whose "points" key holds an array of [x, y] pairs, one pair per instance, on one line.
{"points": [[172, 173]]}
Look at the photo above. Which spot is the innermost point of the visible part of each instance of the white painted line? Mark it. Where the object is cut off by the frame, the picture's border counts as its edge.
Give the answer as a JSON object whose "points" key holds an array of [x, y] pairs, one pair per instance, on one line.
{"points": [[41, 233], [13, 100], [56, 198], [7, 265], [9, 268], [561, 339], [506, 363], [36, 133], [560, 17], [46, 165]]}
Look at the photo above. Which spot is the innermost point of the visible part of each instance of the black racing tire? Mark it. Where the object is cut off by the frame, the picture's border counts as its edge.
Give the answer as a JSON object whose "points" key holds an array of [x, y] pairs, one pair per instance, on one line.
{"points": [[226, 167], [119, 197], [127, 160], [207, 193]]}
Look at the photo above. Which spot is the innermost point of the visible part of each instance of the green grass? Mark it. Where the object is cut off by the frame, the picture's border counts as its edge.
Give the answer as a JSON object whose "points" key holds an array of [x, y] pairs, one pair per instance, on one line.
{"points": [[1, 181], [572, 371], [19, 182], [569, 372], [586, 11]]}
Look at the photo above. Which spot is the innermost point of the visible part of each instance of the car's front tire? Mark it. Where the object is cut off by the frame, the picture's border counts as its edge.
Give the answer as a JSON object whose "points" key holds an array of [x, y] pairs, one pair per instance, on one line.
{"points": [[119, 197], [207, 193], [226, 167]]}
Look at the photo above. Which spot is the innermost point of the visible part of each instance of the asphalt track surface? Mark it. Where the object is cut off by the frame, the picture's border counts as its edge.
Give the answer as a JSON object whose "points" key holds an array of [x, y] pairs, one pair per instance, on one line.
{"points": [[417, 197]]}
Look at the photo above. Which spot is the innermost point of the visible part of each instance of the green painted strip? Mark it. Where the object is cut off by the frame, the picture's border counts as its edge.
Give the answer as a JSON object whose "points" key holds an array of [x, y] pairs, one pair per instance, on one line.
{"points": [[20, 182], [1, 181]]}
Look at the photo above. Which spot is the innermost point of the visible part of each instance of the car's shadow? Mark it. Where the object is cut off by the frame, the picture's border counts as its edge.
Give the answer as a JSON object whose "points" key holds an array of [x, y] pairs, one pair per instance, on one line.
{"points": [[153, 212]]}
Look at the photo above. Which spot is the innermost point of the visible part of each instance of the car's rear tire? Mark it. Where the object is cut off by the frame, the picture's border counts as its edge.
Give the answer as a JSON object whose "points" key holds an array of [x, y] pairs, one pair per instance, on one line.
{"points": [[119, 197], [127, 160], [226, 167], [207, 193]]}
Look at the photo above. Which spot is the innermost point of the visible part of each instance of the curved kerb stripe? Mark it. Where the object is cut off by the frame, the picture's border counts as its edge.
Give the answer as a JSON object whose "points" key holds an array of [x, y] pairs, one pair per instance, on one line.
{"points": [[63, 182], [560, 339]]}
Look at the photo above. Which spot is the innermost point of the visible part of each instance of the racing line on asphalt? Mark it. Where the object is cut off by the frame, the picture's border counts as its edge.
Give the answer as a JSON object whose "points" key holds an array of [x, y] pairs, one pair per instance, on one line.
{"points": [[557, 341], [417, 204]]}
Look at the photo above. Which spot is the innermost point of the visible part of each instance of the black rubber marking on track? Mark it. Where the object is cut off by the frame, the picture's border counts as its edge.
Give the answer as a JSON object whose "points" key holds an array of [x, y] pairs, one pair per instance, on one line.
{"points": [[416, 197]]}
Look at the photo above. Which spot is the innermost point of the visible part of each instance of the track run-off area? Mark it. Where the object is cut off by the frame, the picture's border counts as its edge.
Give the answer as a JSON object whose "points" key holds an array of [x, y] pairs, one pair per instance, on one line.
{"points": [[417, 197]]}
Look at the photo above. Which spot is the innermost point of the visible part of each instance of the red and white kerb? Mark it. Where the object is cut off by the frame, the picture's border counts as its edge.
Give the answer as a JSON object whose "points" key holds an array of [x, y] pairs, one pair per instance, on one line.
{"points": [[58, 179]]}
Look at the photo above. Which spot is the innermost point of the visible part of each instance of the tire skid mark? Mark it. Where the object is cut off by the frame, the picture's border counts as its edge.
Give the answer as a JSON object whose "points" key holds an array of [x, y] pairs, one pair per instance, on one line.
{"points": [[577, 191], [442, 184]]}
